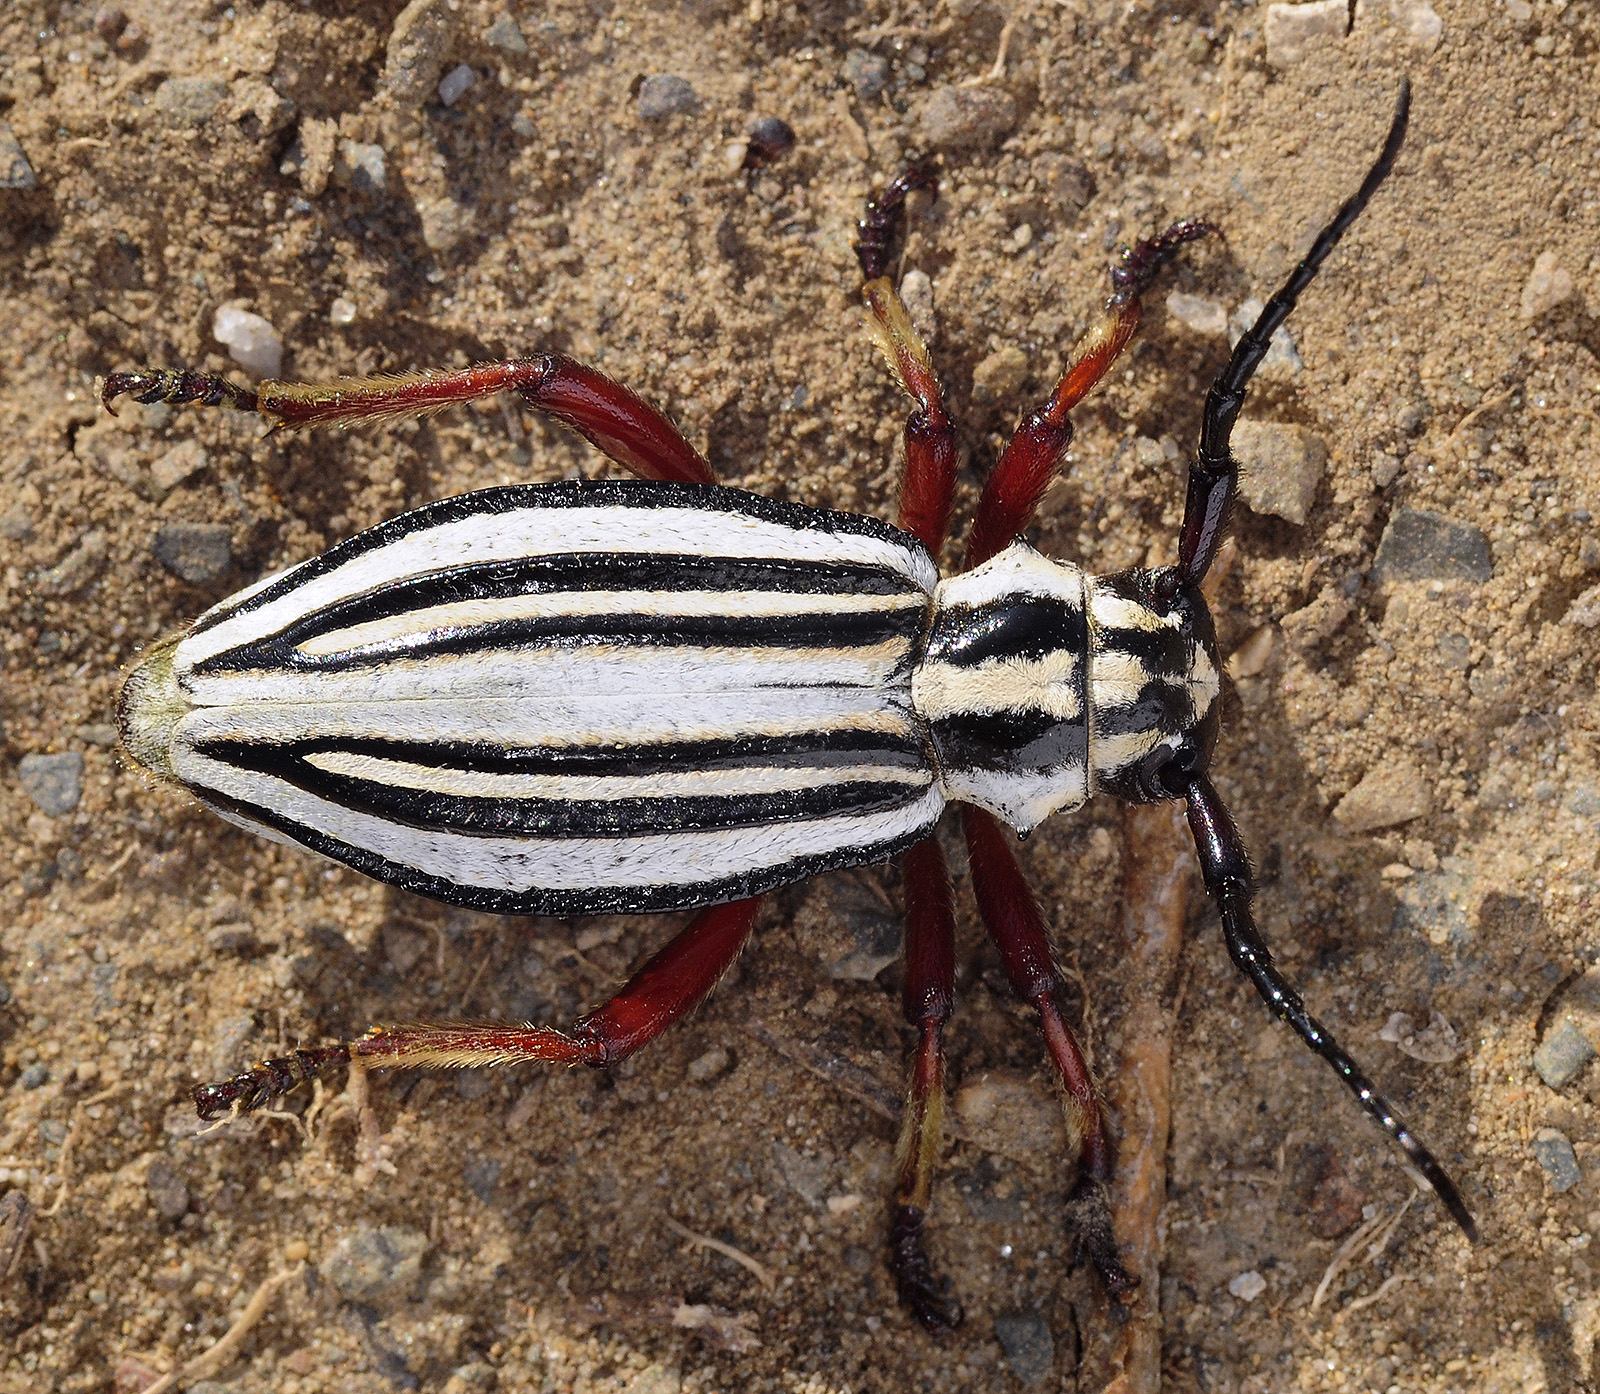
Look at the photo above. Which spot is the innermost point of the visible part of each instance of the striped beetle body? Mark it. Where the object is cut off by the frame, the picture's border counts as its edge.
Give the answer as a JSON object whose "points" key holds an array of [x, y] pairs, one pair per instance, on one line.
{"points": [[635, 695], [658, 694]]}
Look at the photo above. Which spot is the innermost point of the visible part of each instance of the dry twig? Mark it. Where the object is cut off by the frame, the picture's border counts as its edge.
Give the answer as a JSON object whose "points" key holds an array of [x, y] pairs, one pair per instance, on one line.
{"points": [[64, 1166], [227, 1346], [764, 1275]]}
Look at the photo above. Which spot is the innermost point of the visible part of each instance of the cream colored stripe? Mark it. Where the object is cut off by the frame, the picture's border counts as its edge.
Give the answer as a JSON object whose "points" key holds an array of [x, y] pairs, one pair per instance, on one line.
{"points": [[472, 614], [484, 784]]}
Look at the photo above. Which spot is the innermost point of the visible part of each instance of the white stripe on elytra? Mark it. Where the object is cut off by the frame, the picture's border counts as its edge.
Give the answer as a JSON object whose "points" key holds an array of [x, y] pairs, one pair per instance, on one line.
{"points": [[528, 864], [675, 784], [572, 723], [430, 621], [1048, 684], [668, 675], [534, 531]]}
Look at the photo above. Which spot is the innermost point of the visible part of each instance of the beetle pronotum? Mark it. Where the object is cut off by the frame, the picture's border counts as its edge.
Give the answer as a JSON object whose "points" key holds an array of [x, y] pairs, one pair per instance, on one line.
{"points": [[660, 694]]}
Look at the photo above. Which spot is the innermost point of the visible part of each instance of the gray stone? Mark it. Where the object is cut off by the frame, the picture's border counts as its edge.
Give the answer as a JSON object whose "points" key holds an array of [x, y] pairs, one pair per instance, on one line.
{"points": [[1292, 31], [662, 95], [805, 1176], [1280, 467], [1071, 186], [169, 1192], [419, 42], [377, 1265], [705, 1068], [445, 222], [362, 167], [75, 570], [15, 171], [1030, 1349], [505, 34], [1391, 793], [1584, 800], [16, 523], [53, 782], [1422, 546], [189, 101], [1196, 313], [1556, 1156], [1585, 610], [1436, 903], [1562, 1054], [454, 84], [967, 118], [482, 1175], [186, 458], [867, 72], [35, 1075], [1454, 651], [195, 552]]}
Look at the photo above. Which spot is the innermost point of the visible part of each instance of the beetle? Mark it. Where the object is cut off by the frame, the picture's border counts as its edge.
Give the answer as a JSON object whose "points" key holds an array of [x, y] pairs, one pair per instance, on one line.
{"points": [[657, 694]]}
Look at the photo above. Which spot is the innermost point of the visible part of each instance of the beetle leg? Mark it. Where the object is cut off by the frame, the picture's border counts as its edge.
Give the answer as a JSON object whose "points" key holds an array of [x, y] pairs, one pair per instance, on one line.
{"points": [[621, 425], [930, 436], [1226, 869], [928, 1000], [1040, 444], [1016, 926], [1214, 476], [675, 981]]}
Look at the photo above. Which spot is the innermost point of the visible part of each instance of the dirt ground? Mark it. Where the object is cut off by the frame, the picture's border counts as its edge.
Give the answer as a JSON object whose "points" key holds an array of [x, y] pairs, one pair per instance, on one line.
{"points": [[514, 1231]]}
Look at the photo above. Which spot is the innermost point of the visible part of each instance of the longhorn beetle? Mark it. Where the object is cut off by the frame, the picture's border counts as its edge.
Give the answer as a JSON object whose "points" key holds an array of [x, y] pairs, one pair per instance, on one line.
{"points": [[662, 694]]}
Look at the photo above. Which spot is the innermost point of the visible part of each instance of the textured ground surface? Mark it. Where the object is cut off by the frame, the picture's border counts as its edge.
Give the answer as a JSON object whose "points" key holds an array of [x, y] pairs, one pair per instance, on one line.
{"points": [[511, 1231]]}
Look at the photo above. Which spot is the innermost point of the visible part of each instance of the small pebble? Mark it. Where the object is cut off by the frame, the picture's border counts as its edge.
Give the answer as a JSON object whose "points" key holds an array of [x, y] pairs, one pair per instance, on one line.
{"points": [[1280, 467], [35, 1075], [75, 570], [377, 1265], [770, 137], [1556, 1156], [1585, 610], [867, 72], [1000, 375], [1562, 1055], [1385, 469], [662, 95], [110, 21], [363, 167], [189, 101], [170, 470], [482, 1175], [454, 84], [916, 293], [805, 1176], [15, 171], [194, 552], [1389, 794], [1247, 1286], [1418, 22], [1283, 359], [53, 782], [296, 1251], [1030, 1349], [342, 311], [251, 341], [169, 1192], [419, 42], [445, 222], [1422, 546], [1294, 30], [1549, 284], [1019, 240], [1196, 313], [505, 34], [16, 523], [714, 1062], [967, 118], [1071, 186]]}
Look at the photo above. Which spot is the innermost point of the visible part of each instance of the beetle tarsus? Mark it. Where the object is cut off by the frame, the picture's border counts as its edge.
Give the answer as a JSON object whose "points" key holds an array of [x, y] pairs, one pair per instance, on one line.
{"points": [[878, 226], [1089, 1220], [920, 1289], [261, 1084], [178, 387], [1136, 267]]}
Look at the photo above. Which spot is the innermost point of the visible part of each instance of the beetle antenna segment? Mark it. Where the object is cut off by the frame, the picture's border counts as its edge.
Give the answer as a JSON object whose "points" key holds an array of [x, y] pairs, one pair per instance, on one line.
{"points": [[927, 1000], [1214, 476], [884, 216], [1226, 869], [1016, 926], [621, 425], [1040, 444], [674, 982]]}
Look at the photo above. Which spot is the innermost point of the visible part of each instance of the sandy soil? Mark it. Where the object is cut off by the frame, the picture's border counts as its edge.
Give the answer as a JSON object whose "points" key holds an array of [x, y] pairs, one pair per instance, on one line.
{"points": [[510, 1231]]}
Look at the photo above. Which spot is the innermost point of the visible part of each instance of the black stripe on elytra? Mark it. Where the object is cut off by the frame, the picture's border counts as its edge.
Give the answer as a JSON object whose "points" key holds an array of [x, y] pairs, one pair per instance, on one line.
{"points": [[567, 493], [601, 571], [1009, 741], [1014, 626], [828, 749], [820, 631], [589, 900], [581, 818]]}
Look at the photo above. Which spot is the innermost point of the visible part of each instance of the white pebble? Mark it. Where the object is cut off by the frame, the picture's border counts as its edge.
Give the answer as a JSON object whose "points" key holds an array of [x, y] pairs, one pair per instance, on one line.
{"points": [[1248, 1286], [453, 85], [342, 311], [1199, 314], [1548, 285], [1293, 30], [251, 341]]}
